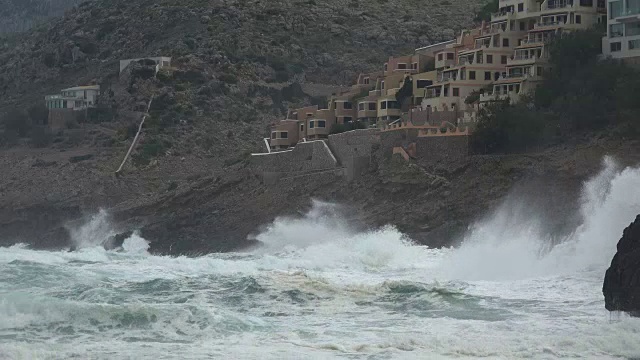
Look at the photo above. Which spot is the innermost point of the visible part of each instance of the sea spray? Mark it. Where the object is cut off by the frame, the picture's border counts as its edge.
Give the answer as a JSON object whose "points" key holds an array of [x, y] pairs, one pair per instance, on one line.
{"points": [[511, 244], [95, 231]]}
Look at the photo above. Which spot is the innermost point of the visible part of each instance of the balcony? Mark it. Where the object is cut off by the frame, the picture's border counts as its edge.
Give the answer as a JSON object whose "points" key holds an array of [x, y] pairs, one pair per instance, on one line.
{"points": [[521, 60], [281, 142], [317, 131], [629, 15], [500, 96], [558, 4], [501, 16]]}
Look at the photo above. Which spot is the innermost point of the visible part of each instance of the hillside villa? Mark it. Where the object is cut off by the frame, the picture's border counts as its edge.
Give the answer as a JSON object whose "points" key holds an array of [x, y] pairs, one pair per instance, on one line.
{"points": [[75, 98]]}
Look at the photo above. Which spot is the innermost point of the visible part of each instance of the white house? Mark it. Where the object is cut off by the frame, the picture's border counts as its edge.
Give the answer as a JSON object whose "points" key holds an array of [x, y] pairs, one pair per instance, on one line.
{"points": [[75, 98], [161, 61]]}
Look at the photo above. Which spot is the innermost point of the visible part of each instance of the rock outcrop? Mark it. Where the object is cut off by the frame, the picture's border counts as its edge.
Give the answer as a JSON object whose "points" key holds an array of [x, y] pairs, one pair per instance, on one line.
{"points": [[622, 281]]}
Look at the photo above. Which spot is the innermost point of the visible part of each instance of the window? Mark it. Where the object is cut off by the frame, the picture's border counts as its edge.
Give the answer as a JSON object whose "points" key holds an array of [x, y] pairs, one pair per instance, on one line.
{"points": [[539, 71], [510, 87], [503, 59], [348, 105], [382, 84], [372, 106], [456, 91], [402, 66], [309, 115], [634, 44], [439, 57], [394, 105], [489, 59], [472, 75], [505, 42], [632, 29], [633, 6], [496, 76], [588, 3], [312, 124], [487, 75], [366, 81], [322, 124], [446, 91], [522, 26], [616, 46], [383, 105], [414, 66], [449, 56], [578, 19], [521, 7], [421, 84], [284, 135], [361, 107], [616, 30], [347, 119], [273, 135], [615, 9]]}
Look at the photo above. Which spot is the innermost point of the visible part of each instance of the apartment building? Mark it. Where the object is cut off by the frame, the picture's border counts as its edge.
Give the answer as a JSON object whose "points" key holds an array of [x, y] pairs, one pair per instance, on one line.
{"points": [[623, 31], [539, 23], [75, 98]]}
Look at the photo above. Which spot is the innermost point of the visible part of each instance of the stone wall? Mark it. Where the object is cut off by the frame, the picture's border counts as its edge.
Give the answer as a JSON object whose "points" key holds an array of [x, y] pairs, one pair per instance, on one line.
{"points": [[353, 150], [304, 158], [59, 118], [433, 149]]}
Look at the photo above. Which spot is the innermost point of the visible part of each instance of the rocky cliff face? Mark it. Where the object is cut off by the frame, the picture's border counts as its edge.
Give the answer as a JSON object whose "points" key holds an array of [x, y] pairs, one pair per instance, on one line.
{"points": [[622, 281]]}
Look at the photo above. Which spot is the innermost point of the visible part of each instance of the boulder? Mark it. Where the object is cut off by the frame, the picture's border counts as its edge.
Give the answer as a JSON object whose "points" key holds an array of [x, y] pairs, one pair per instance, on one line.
{"points": [[622, 281]]}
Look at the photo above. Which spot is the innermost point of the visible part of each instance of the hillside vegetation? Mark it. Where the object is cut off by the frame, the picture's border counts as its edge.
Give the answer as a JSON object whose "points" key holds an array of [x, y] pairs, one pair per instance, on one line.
{"points": [[21, 15]]}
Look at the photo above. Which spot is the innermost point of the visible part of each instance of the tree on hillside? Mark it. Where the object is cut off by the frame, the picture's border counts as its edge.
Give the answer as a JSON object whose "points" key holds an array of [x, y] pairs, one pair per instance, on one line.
{"points": [[484, 14]]}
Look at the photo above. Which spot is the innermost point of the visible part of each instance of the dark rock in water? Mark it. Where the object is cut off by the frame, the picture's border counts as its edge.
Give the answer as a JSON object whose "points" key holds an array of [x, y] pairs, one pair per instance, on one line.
{"points": [[622, 281], [115, 242]]}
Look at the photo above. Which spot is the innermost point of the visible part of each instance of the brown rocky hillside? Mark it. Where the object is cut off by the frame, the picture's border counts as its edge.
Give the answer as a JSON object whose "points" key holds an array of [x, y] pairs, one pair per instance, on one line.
{"points": [[237, 65]]}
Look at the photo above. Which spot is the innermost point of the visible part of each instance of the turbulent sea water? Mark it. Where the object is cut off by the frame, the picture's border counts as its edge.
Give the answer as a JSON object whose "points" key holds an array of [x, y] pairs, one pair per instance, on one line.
{"points": [[318, 290]]}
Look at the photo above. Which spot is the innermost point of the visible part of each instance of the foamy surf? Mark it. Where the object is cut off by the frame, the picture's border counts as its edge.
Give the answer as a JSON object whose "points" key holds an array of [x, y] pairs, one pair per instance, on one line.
{"points": [[318, 289]]}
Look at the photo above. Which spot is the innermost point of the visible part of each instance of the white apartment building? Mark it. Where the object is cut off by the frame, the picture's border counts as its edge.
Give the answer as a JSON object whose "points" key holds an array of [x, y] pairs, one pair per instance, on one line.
{"points": [[623, 30]]}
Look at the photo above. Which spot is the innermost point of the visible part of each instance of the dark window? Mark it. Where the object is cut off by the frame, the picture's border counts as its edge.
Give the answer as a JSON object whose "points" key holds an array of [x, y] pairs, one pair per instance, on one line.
{"points": [[386, 67], [372, 106], [449, 56], [489, 59], [347, 119], [402, 66], [348, 105], [503, 59], [472, 75], [456, 92], [505, 42], [361, 107], [487, 75], [616, 46], [588, 3], [322, 124], [446, 91], [284, 135], [521, 7], [522, 25], [394, 105], [439, 57], [539, 71], [301, 127], [414, 66], [496, 76], [578, 19], [510, 87], [421, 84], [383, 105], [273, 135], [312, 124]]}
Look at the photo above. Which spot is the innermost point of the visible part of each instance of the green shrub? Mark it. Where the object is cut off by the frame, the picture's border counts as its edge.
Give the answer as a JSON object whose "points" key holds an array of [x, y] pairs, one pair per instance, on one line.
{"points": [[484, 14]]}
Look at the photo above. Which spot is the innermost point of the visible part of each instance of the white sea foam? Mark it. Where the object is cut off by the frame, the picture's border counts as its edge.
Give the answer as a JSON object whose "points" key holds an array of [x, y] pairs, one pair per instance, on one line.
{"points": [[320, 289]]}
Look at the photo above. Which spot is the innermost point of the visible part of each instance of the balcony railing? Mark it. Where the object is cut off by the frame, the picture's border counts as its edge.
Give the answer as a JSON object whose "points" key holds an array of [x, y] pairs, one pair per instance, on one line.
{"points": [[523, 57], [501, 14], [558, 4], [550, 23]]}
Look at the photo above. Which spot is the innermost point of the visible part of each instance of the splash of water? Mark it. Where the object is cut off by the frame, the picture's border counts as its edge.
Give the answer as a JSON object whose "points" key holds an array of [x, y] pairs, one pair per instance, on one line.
{"points": [[96, 231], [511, 244]]}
